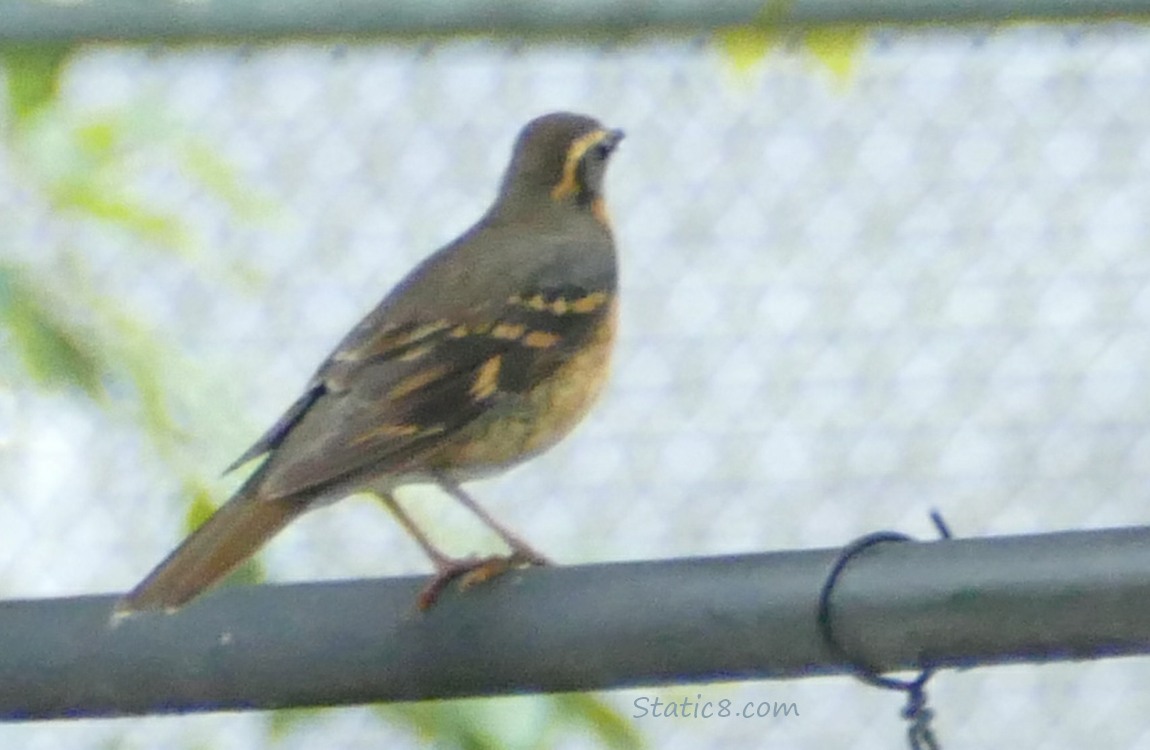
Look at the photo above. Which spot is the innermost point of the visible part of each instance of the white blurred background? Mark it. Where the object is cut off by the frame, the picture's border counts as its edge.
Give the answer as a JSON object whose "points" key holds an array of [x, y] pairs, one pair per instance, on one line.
{"points": [[847, 300]]}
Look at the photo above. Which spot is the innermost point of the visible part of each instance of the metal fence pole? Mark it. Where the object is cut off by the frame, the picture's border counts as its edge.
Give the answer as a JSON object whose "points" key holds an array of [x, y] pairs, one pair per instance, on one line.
{"points": [[174, 20], [1073, 595]]}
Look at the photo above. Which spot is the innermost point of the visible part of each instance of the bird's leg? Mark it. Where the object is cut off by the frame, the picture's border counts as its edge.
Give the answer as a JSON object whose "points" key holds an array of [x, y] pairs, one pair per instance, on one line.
{"points": [[470, 570], [521, 552], [441, 560]]}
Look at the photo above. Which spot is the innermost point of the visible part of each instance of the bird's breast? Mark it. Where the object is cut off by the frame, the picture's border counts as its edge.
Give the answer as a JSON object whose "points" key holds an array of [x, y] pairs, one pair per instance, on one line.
{"points": [[539, 418]]}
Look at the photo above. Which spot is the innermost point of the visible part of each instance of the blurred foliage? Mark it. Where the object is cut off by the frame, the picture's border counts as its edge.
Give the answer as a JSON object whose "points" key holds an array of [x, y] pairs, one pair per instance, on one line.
{"points": [[523, 722], [834, 48], [53, 351], [63, 331], [516, 723], [33, 75]]}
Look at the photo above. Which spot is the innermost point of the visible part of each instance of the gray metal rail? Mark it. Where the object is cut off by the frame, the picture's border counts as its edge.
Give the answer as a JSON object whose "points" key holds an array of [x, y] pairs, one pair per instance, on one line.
{"points": [[955, 603]]}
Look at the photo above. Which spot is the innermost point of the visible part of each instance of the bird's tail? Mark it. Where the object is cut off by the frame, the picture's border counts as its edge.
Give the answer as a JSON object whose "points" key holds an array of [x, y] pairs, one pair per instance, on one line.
{"points": [[231, 535]]}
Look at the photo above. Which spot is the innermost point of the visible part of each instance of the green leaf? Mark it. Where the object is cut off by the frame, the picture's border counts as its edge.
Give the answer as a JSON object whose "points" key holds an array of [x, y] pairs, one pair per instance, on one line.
{"points": [[98, 138], [100, 202], [33, 76], [465, 724], [834, 47], [748, 45], [203, 164], [200, 507], [141, 357], [54, 351], [745, 47], [514, 722], [590, 711], [282, 722], [837, 48]]}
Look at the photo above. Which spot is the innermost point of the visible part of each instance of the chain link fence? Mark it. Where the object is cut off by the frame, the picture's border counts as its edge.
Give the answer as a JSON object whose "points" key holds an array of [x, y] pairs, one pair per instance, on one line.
{"points": [[846, 300]]}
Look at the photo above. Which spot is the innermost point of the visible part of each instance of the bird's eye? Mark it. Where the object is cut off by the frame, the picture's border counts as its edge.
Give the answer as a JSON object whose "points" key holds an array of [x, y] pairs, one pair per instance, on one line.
{"points": [[601, 151]]}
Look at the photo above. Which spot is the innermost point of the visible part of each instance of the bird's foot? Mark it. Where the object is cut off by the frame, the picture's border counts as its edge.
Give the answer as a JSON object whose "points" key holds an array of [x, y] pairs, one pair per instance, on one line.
{"points": [[472, 571]]}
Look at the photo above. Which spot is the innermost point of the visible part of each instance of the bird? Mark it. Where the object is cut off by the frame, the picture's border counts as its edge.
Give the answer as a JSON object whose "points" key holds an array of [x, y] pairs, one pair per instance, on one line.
{"points": [[486, 354]]}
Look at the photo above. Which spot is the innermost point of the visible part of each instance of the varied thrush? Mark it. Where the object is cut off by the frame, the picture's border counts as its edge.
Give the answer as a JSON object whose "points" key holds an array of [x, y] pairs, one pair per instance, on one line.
{"points": [[488, 353]]}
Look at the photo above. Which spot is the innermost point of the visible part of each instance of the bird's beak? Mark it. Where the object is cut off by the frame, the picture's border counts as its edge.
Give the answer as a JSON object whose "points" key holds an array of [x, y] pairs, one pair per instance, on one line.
{"points": [[612, 139]]}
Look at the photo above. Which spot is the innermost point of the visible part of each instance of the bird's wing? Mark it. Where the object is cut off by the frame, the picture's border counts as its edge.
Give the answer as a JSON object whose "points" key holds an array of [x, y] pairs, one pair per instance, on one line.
{"points": [[394, 389]]}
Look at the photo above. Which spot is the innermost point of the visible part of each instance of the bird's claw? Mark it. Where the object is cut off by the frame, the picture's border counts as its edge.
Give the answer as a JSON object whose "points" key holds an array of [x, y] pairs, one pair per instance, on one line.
{"points": [[472, 571]]}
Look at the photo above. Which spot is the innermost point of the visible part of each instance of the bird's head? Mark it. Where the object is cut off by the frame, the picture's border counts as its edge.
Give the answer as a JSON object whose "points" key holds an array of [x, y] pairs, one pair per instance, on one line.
{"points": [[561, 157]]}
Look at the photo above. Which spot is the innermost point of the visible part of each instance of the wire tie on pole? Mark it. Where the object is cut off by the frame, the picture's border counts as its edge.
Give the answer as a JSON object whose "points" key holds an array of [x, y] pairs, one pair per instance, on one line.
{"points": [[920, 735]]}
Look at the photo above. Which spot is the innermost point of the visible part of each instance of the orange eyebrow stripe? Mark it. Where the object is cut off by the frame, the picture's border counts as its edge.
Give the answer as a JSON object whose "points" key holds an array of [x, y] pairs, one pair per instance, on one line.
{"points": [[568, 185]]}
